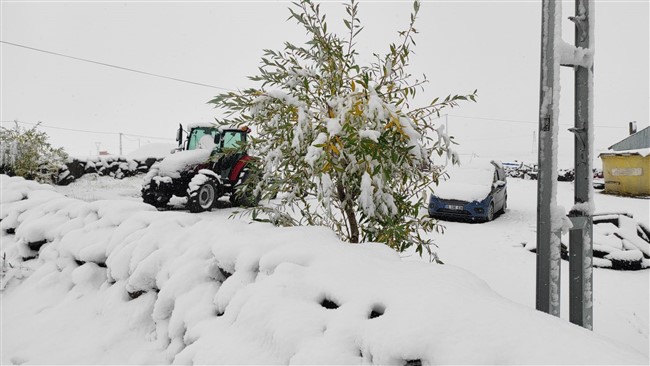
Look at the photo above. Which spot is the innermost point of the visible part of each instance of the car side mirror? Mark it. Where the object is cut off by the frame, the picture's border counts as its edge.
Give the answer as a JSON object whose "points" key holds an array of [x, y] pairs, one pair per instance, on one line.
{"points": [[499, 184]]}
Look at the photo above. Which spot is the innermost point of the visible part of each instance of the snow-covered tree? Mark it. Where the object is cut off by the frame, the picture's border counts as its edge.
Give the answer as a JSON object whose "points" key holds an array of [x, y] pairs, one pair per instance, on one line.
{"points": [[27, 153], [341, 138]]}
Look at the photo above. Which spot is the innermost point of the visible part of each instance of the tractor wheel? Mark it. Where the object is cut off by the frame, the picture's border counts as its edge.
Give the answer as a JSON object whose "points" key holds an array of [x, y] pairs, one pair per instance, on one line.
{"points": [[246, 199], [152, 198], [204, 198]]}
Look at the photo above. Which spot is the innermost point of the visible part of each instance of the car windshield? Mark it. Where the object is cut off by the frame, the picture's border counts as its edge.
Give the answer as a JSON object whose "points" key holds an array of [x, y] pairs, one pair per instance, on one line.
{"points": [[472, 175]]}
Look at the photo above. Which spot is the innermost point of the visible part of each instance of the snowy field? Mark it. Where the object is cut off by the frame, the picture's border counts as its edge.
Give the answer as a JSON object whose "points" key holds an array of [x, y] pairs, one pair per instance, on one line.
{"points": [[117, 282]]}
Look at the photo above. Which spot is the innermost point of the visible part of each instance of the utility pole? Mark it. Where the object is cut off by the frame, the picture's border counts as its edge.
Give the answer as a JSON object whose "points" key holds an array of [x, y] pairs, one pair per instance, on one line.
{"points": [[548, 241], [580, 236], [447, 132], [121, 143], [532, 146], [580, 58]]}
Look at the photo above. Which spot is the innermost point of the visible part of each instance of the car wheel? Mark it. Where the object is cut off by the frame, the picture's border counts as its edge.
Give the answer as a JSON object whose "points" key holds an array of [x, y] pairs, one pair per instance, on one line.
{"points": [[204, 199], [490, 213]]}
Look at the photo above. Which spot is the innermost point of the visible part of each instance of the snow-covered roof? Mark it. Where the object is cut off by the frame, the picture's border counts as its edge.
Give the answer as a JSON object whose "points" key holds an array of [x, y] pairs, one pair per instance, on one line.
{"points": [[642, 152], [637, 140], [200, 124]]}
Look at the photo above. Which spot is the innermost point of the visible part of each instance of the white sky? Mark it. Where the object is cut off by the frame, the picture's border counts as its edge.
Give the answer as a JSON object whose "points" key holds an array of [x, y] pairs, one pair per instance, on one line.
{"points": [[486, 45]]}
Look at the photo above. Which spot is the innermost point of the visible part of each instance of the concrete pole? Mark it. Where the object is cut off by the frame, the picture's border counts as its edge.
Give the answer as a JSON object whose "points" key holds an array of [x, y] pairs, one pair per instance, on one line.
{"points": [[548, 262], [581, 235]]}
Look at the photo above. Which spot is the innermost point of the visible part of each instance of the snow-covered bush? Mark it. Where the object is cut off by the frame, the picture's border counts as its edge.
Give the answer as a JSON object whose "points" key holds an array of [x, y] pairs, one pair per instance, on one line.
{"points": [[343, 133], [27, 153]]}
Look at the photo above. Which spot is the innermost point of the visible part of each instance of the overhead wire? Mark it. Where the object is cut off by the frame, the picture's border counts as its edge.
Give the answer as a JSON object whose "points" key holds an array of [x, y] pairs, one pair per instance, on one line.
{"points": [[522, 121], [115, 66], [88, 131]]}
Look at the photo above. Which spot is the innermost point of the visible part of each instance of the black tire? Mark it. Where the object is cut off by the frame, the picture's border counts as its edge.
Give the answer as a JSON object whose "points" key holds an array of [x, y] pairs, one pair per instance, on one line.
{"points": [[490, 213], [246, 199], [152, 198], [505, 205], [204, 198]]}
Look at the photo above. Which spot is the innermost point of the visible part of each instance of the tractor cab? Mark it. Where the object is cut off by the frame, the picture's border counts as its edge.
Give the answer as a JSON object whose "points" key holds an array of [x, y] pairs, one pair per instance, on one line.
{"points": [[211, 137]]}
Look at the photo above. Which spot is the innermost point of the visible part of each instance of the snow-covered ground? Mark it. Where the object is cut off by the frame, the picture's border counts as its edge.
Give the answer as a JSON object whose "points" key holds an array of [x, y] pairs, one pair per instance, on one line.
{"points": [[120, 283]]}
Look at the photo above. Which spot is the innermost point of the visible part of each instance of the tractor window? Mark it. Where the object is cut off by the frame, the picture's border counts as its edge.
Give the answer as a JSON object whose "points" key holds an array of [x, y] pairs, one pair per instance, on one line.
{"points": [[232, 139], [197, 134]]}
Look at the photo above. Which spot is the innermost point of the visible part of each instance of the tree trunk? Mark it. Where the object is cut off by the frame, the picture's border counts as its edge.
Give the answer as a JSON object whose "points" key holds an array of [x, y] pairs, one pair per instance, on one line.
{"points": [[349, 213]]}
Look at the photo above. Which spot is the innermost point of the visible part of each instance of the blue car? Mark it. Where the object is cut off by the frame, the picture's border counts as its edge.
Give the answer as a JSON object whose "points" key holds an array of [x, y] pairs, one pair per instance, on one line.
{"points": [[475, 191]]}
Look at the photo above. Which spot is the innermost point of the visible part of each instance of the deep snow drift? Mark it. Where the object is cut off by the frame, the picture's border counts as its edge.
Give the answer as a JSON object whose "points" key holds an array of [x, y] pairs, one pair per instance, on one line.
{"points": [[115, 281]]}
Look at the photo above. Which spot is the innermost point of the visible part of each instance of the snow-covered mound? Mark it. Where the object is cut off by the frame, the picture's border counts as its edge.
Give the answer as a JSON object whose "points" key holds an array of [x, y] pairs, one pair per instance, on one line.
{"points": [[155, 150], [620, 242], [468, 182], [113, 166], [173, 164], [205, 290]]}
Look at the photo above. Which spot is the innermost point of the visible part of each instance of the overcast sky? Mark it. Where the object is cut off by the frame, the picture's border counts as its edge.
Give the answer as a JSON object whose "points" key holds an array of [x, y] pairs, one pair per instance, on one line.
{"points": [[486, 45]]}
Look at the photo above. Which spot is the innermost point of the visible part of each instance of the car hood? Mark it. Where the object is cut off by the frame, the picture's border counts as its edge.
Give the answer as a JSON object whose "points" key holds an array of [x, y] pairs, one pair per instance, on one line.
{"points": [[461, 191]]}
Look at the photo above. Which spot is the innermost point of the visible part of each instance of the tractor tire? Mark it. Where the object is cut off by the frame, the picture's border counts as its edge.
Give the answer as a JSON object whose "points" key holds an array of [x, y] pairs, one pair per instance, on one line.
{"points": [[245, 200], [204, 199], [152, 198]]}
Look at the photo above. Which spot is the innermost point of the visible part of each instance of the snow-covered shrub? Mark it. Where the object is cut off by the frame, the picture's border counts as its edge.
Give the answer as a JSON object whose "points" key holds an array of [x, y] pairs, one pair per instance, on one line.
{"points": [[342, 133], [27, 153]]}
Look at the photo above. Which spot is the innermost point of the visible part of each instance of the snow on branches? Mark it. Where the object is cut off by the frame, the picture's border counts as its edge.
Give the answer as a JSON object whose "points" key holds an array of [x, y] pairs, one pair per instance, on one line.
{"points": [[338, 140]]}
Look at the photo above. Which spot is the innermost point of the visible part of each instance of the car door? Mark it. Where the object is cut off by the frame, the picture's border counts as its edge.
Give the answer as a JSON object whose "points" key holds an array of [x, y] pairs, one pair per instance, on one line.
{"points": [[499, 188]]}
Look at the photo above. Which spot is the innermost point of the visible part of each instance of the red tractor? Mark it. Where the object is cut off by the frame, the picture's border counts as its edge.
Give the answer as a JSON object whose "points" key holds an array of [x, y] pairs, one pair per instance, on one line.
{"points": [[210, 164]]}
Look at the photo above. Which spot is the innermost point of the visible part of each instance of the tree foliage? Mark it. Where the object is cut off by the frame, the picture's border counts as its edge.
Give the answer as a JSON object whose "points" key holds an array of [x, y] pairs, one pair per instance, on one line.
{"points": [[339, 139], [28, 153]]}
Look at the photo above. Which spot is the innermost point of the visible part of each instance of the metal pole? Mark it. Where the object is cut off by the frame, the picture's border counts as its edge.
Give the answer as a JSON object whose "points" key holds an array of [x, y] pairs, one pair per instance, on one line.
{"points": [[548, 258], [581, 235], [120, 143]]}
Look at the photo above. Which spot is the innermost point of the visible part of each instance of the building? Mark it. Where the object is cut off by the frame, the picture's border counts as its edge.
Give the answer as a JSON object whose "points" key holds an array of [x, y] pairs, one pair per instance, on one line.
{"points": [[626, 165]]}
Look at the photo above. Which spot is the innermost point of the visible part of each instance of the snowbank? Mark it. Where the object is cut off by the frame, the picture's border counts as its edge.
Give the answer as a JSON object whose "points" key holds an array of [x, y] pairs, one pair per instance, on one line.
{"points": [[155, 150], [202, 289], [114, 166]]}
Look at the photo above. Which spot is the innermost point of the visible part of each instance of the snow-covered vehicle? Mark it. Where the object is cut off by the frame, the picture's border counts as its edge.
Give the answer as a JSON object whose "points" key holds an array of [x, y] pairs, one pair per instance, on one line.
{"points": [[475, 191], [211, 163]]}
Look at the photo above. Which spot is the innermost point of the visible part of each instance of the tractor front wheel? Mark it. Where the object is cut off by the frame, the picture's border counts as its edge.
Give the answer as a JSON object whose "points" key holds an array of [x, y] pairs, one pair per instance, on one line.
{"points": [[204, 198]]}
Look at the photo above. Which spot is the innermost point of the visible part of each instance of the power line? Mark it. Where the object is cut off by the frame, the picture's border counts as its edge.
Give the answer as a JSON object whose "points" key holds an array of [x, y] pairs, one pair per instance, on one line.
{"points": [[522, 121], [87, 131], [114, 66]]}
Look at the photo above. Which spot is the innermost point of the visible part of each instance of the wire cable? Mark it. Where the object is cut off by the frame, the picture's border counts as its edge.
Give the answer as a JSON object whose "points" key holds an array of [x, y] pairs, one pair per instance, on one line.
{"points": [[87, 131], [115, 66], [521, 121]]}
